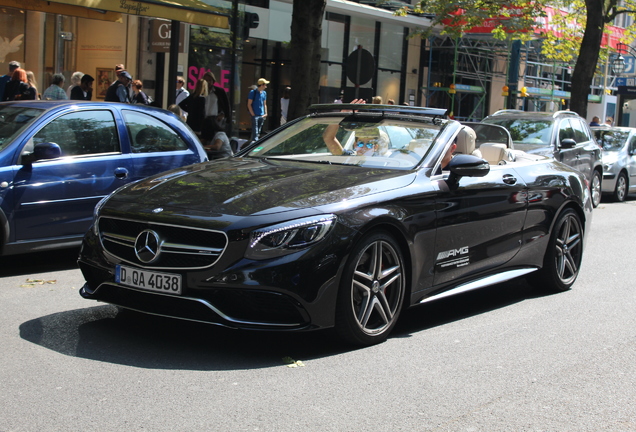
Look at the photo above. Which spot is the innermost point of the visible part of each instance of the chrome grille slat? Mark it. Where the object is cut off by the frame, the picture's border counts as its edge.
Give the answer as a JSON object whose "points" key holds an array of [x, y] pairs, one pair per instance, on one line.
{"points": [[118, 237], [188, 247]]}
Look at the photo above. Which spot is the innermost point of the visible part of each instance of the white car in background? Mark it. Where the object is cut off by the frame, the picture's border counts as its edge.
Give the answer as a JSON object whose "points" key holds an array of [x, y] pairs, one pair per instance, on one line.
{"points": [[619, 160]]}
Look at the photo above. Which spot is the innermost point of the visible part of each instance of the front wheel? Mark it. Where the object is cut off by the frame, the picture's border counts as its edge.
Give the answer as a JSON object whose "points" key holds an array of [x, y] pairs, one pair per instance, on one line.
{"points": [[562, 260], [620, 191], [595, 188], [371, 291]]}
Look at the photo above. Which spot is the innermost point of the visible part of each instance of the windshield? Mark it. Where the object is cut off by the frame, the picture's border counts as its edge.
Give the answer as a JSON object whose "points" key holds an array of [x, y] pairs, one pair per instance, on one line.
{"points": [[384, 143], [536, 133], [13, 119], [612, 140]]}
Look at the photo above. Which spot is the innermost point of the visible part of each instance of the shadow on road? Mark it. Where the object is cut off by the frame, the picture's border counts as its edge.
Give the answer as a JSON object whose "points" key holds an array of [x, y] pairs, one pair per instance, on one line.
{"points": [[106, 334], [39, 262]]}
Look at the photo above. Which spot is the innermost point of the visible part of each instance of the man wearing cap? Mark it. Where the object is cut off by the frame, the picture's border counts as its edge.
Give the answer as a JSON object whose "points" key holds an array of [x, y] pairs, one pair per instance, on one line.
{"points": [[84, 91], [119, 90], [55, 90], [257, 105]]}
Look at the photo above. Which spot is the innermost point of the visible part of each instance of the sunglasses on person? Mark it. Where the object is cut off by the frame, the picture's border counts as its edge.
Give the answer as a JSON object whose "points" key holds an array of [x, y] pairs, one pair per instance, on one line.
{"points": [[369, 144]]}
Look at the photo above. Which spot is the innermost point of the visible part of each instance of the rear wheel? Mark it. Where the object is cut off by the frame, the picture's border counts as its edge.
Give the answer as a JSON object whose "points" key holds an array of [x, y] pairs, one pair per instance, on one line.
{"points": [[563, 257], [595, 188], [372, 290], [620, 191]]}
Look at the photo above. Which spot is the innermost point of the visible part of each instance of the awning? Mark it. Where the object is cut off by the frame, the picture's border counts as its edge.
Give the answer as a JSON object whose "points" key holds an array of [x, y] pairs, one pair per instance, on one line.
{"points": [[187, 11], [62, 9]]}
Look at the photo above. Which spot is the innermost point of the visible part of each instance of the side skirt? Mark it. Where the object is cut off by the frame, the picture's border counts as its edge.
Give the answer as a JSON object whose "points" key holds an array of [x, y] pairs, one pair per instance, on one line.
{"points": [[481, 283]]}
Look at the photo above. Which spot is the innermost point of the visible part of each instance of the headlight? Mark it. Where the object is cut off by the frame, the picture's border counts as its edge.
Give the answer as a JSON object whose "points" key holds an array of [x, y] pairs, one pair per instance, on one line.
{"points": [[288, 237]]}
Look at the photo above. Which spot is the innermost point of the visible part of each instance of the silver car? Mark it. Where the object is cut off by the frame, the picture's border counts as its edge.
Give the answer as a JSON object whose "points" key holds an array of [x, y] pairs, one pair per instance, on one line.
{"points": [[619, 160]]}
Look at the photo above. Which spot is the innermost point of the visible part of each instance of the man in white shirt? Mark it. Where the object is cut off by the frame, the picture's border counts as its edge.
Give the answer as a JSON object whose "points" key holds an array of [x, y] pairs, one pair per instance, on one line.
{"points": [[182, 93]]}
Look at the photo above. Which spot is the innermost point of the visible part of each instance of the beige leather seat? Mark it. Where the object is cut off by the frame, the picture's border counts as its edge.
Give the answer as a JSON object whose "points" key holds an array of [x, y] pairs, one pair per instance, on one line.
{"points": [[466, 142], [494, 153]]}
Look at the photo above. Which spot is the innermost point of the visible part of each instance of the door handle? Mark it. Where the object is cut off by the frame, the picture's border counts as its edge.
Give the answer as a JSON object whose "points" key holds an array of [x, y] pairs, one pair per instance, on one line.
{"points": [[121, 172], [509, 179]]}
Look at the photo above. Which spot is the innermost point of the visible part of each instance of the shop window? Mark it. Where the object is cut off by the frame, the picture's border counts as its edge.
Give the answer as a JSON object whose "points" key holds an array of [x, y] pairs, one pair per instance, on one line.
{"points": [[12, 31]]}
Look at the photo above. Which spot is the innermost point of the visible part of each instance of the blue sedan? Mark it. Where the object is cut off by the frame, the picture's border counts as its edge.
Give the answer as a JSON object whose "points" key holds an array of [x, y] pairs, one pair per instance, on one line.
{"points": [[58, 159]]}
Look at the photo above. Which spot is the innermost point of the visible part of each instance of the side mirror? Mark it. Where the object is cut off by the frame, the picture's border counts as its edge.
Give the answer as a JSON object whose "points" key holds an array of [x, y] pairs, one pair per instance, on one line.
{"points": [[466, 166], [42, 151], [568, 143]]}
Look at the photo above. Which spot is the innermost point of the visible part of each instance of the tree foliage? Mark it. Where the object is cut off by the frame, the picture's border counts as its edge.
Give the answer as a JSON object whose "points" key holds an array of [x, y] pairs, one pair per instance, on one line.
{"points": [[574, 35]]}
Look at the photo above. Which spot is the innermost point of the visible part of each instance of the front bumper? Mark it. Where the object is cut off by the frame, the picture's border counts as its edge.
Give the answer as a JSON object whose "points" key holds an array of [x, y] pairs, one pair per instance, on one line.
{"points": [[294, 292]]}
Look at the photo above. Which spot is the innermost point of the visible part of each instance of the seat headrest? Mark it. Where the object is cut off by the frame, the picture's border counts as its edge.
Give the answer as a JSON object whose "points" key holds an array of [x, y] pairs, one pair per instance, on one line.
{"points": [[465, 141]]}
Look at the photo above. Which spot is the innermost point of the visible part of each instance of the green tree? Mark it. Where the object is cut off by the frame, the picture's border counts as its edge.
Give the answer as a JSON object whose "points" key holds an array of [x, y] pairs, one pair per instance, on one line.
{"points": [[306, 32], [566, 40]]}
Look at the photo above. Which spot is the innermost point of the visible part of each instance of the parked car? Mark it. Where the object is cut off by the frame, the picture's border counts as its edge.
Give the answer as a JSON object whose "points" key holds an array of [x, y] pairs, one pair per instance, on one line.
{"points": [[337, 219], [619, 160], [58, 159], [563, 135]]}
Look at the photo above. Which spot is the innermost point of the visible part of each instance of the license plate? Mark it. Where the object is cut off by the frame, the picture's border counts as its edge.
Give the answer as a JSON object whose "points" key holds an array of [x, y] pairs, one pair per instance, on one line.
{"points": [[168, 283]]}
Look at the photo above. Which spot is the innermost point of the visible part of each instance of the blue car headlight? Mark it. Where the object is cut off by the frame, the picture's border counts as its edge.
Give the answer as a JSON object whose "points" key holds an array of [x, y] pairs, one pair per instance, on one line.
{"points": [[288, 237]]}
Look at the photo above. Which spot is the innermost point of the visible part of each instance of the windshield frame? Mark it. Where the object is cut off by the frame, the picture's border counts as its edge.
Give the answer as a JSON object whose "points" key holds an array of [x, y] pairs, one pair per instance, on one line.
{"points": [[403, 142]]}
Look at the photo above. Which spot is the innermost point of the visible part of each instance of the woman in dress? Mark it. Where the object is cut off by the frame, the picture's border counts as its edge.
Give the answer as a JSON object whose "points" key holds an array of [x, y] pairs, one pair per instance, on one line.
{"points": [[33, 84], [194, 105], [76, 78]]}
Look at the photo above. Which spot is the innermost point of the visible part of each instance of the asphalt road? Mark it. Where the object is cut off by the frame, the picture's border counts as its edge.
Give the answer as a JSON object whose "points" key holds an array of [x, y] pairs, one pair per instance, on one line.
{"points": [[506, 358]]}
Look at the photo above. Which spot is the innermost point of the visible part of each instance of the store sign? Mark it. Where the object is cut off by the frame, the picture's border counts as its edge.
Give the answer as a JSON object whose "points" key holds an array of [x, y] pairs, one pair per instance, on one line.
{"points": [[160, 33]]}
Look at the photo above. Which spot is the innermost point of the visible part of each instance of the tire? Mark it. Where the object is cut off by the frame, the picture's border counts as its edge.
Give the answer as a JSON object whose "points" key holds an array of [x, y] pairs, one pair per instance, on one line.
{"points": [[620, 191], [595, 188], [371, 291], [562, 260]]}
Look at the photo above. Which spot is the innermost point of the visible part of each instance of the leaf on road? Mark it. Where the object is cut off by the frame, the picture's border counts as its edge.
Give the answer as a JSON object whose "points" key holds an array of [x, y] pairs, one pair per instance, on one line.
{"points": [[290, 362], [33, 282]]}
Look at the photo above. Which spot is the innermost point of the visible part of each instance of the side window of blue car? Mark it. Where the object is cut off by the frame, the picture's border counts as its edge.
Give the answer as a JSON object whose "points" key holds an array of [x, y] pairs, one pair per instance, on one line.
{"points": [[148, 135], [82, 133]]}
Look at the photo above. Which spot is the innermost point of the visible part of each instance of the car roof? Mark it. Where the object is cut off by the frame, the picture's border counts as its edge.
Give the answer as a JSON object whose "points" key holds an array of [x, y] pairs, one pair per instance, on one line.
{"points": [[531, 114], [51, 105], [613, 128]]}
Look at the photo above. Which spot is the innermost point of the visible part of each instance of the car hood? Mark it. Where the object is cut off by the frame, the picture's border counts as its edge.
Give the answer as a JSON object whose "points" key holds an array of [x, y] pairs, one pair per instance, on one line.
{"points": [[248, 186]]}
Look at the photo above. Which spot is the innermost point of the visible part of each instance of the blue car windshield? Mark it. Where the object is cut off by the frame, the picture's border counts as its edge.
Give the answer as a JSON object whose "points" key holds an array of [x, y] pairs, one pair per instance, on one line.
{"points": [[13, 119]]}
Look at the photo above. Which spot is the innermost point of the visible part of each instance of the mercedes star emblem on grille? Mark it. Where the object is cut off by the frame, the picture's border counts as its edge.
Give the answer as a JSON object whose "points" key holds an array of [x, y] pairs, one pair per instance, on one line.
{"points": [[147, 246]]}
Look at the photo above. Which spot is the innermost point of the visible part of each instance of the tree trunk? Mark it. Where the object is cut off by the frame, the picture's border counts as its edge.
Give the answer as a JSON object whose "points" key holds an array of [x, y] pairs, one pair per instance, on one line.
{"points": [[306, 33], [585, 67]]}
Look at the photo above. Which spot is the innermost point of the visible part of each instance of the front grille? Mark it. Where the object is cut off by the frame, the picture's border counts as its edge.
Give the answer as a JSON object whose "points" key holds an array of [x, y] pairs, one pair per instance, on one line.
{"points": [[178, 247]]}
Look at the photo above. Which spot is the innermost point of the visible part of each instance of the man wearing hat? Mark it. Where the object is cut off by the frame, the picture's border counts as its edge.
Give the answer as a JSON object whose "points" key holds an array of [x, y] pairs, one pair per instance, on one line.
{"points": [[257, 105], [84, 91], [119, 91]]}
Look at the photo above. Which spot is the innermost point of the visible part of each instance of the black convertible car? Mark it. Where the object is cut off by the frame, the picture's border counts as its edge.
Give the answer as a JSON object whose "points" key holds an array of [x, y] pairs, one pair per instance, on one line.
{"points": [[340, 218]]}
